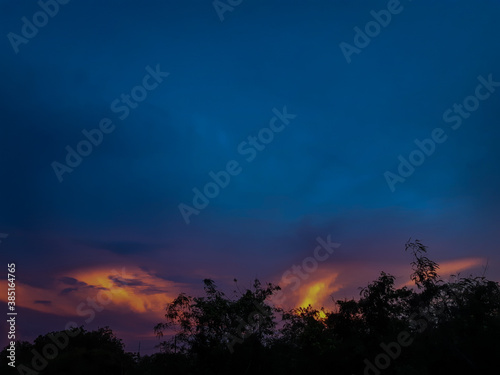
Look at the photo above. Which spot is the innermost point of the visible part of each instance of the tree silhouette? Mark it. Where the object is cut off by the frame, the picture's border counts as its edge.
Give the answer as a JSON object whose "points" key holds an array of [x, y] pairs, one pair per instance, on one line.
{"points": [[209, 329], [438, 327], [83, 352]]}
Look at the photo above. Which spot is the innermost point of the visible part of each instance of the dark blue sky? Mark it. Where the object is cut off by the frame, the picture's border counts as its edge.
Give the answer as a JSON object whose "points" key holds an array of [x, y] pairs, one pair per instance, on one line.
{"points": [[323, 174]]}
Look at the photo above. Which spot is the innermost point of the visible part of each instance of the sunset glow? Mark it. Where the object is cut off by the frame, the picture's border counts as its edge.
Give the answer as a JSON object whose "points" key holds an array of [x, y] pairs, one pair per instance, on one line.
{"points": [[128, 288], [317, 293]]}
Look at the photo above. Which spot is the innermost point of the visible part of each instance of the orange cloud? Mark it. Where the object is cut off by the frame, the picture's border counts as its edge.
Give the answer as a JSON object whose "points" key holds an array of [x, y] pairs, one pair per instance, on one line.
{"points": [[316, 292], [133, 288], [454, 267], [129, 289], [459, 265], [317, 289]]}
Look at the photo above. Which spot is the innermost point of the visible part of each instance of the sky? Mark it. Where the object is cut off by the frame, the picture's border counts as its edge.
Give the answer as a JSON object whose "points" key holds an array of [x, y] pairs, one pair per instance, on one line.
{"points": [[146, 146]]}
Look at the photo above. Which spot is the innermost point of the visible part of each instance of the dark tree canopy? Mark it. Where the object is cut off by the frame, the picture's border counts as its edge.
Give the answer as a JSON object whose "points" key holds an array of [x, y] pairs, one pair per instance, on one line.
{"points": [[440, 327]]}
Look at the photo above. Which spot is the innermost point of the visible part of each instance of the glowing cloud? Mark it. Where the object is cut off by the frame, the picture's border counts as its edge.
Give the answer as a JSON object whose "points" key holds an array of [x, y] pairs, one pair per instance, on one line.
{"points": [[455, 266], [315, 292], [129, 289]]}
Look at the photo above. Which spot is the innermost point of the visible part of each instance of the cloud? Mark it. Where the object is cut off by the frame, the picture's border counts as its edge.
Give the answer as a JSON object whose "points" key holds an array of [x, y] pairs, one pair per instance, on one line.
{"points": [[71, 281], [122, 247], [129, 290], [152, 290], [119, 281], [67, 291]]}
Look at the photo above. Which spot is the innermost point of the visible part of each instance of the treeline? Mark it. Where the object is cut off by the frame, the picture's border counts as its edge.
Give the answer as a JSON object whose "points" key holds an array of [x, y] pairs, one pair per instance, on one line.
{"points": [[439, 328]]}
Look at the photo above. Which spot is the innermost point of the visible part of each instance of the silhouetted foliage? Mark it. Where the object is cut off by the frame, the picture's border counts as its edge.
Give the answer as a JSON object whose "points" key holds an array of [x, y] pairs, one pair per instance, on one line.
{"points": [[217, 332], [439, 327], [71, 352]]}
